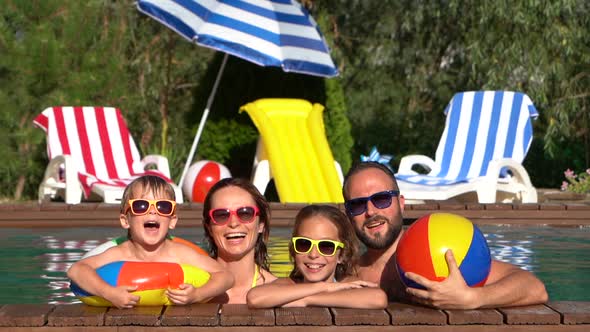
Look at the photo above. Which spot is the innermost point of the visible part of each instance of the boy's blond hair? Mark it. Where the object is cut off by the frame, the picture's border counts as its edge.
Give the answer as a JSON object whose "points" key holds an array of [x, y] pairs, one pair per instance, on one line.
{"points": [[145, 184]]}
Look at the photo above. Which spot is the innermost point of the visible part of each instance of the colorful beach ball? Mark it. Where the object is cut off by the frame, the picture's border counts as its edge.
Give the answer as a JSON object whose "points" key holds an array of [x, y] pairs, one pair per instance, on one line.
{"points": [[201, 176], [422, 249]]}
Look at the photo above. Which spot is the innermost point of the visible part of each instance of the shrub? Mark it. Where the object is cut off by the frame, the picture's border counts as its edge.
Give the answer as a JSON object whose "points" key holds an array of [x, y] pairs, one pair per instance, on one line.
{"points": [[576, 183]]}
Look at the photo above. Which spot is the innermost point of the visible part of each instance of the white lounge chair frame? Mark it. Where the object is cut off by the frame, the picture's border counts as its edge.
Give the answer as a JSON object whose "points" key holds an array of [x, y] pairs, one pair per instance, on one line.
{"points": [[505, 180], [61, 178]]}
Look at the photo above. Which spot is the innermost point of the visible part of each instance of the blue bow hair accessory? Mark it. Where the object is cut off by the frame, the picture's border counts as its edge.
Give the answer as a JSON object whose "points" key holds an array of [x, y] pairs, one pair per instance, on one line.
{"points": [[375, 156]]}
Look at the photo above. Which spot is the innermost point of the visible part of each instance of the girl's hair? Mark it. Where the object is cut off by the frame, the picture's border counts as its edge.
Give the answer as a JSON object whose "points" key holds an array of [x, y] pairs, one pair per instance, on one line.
{"points": [[348, 255], [260, 251], [147, 184]]}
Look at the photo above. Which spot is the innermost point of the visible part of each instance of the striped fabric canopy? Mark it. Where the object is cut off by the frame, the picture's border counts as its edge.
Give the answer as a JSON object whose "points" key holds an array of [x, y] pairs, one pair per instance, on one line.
{"points": [[481, 126], [267, 32]]}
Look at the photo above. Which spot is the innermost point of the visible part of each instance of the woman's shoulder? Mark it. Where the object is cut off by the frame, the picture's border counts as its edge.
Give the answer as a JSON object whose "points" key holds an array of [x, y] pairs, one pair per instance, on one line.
{"points": [[267, 276]]}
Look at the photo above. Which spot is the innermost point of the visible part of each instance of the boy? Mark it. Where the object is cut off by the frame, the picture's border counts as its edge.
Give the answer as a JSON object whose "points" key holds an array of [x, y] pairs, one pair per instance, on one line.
{"points": [[148, 210]]}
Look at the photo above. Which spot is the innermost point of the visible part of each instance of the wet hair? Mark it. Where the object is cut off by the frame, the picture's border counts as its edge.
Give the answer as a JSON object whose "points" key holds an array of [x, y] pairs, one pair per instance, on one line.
{"points": [[147, 184], [349, 254], [358, 167], [260, 250]]}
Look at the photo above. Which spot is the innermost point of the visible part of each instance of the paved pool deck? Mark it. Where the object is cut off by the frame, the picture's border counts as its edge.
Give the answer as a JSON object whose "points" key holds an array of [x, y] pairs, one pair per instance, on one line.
{"points": [[553, 316], [54, 214]]}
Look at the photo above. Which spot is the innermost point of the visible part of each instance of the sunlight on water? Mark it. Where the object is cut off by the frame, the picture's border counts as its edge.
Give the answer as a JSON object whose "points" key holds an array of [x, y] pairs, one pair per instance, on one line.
{"points": [[33, 262]]}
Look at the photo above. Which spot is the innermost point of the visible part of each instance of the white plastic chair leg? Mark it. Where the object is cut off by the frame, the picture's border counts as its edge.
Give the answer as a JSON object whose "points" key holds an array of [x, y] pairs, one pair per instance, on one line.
{"points": [[261, 175], [73, 186], [339, 171], [73, 193], [486, 193], [529, 195]]}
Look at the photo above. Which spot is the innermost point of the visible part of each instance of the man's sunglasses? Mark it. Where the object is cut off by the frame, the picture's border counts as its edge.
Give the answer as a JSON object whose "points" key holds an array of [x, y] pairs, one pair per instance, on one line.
{"points": [[303, 245], [245, 215], [380, 200], [164, 207]]}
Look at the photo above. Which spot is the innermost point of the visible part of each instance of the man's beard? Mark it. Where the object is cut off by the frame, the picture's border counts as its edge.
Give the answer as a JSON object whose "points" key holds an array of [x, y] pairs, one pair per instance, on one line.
{"points": [[379, 242]]}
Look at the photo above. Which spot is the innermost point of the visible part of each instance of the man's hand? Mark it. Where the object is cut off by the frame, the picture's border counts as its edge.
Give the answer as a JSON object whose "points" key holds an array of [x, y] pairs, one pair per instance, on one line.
{"points": [[122, 298], [451, 293]]}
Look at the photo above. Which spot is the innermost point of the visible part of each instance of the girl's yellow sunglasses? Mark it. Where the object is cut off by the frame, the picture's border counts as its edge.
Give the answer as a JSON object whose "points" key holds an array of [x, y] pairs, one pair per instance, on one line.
{"points": [[303, 245]]}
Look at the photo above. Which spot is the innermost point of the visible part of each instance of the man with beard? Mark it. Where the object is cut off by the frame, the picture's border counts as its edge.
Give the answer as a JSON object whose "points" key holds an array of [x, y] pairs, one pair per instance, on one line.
{"points": [[374, 206]]}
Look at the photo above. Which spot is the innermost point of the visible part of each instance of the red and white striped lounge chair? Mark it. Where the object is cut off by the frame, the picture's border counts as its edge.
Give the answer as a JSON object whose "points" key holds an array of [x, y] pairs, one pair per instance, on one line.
{"points": [[92, 153]]}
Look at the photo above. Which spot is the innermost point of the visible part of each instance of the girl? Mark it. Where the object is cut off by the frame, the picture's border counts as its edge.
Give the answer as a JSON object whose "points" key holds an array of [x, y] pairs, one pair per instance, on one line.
{"points": [[324, 250]]}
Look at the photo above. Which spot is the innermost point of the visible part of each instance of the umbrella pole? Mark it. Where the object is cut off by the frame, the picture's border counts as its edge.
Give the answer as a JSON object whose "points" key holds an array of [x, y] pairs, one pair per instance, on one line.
{"points": [[203, 120]]}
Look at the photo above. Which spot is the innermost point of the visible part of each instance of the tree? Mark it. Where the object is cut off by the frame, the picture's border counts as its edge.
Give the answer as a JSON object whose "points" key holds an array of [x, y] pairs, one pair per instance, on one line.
{"points": [[91, 53], [403, 61], [400, 61]]}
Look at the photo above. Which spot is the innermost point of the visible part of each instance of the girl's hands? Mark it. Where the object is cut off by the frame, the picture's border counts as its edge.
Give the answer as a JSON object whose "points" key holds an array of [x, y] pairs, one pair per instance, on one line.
{"points": [[336, 286], [296, 303]]}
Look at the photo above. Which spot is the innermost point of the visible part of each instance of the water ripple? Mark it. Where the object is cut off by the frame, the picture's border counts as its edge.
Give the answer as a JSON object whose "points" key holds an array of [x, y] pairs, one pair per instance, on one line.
{"points": [[33, 265]]}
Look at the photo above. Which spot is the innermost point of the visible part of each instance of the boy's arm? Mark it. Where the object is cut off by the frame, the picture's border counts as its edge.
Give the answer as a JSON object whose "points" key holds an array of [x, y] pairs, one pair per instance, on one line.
{"points": [[220, 279], [84, 274], [218, 283]]}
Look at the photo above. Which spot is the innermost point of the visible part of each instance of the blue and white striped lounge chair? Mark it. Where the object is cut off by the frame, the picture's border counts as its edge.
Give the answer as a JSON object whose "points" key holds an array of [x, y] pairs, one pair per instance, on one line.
{"points": [[486, 137]]}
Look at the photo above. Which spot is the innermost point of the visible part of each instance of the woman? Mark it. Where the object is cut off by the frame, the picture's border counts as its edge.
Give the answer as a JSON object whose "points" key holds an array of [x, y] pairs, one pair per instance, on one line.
{"points": [[236, 220]]}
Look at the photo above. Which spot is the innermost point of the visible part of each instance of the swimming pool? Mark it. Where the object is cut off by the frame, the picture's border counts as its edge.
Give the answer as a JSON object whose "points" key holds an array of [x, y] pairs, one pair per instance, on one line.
{"points": [[33, 261]]}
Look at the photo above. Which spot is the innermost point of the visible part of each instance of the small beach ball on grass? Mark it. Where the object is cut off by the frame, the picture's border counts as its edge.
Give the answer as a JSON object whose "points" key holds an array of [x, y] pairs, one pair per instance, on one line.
{"points": [[200, 177], [422, 249]]}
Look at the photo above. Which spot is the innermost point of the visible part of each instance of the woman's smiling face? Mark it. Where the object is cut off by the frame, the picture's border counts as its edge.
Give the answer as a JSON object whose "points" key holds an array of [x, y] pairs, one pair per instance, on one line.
{"points": [[235, 238], [313, 266]]}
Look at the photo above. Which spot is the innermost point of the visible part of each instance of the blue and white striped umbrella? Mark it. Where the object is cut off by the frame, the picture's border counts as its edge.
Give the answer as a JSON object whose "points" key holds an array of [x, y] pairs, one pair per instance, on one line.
{"points": [[277, 33]]}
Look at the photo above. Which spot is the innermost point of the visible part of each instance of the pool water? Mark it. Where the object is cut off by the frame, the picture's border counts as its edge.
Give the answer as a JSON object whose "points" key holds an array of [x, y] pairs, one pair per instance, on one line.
{"points": [[33, 262]]}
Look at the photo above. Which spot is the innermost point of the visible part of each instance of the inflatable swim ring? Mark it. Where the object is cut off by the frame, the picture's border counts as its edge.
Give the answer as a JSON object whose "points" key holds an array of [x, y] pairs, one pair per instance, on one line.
{"points": [[117, 241], [151, 278]]}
